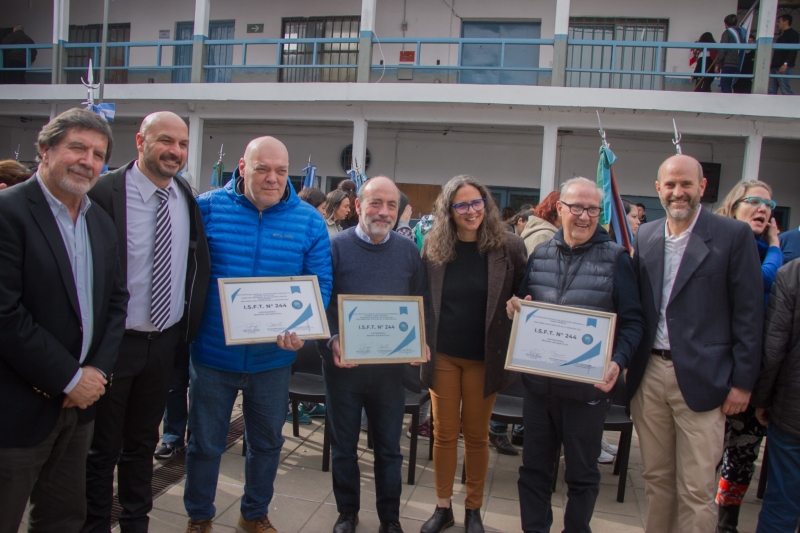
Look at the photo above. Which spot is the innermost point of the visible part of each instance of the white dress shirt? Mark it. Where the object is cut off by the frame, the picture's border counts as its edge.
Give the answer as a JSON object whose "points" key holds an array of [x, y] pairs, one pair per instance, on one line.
{"points": [[79, 250], [674, 248], [141, 207]]}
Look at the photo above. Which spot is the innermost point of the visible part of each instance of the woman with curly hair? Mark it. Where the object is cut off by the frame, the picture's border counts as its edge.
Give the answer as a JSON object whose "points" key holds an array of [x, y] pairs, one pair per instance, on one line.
{"points": [[751, 202], [474, 265]]}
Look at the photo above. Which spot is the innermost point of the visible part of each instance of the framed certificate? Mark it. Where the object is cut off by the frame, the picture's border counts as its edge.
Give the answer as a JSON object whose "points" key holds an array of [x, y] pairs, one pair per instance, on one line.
{"points": [[381, 329], [257, 310], [561, 342]]}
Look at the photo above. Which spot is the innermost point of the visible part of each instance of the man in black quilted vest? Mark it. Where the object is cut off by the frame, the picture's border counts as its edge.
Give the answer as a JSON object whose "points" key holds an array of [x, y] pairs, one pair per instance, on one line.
{"points": [[580, 267]]}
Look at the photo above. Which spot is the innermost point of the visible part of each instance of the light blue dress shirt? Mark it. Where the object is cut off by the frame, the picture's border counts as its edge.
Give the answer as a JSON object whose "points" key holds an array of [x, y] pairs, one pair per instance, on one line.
{"points": [[79, 250]]}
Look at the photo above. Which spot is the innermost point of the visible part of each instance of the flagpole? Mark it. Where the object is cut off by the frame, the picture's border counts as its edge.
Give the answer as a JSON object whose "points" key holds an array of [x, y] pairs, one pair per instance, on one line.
{"points": [[616, 198], [103, 48]]}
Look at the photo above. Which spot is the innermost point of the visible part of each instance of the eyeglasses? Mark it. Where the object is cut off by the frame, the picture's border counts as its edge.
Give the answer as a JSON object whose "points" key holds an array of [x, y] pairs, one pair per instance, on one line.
{"points": [[755, 201], [578, 210], [476, 205]]}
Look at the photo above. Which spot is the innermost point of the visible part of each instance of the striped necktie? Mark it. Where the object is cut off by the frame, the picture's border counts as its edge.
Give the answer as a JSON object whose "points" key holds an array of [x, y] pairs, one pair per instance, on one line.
{"points": [[162, 264]]}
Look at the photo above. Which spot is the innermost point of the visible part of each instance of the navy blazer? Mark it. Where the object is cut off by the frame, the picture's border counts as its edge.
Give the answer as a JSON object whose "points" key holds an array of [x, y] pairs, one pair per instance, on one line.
{"points": [[40, 324], [715, 313]]}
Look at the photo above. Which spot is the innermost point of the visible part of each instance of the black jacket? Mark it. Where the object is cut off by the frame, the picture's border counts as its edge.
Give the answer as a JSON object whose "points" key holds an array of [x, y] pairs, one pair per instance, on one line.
{"points": [[595, 275], [779, 57], [40, 324], [715, 313], [109, 193], [17, 56], [778, 386]]}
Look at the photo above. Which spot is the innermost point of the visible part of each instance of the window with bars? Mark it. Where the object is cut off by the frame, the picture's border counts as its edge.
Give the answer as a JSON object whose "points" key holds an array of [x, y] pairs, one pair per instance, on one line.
{"points": [[93, 33], [327, 53], [626, 58]]}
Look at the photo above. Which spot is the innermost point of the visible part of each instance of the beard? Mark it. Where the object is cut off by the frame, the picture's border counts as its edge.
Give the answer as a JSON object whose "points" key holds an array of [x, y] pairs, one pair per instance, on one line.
{"points": [[77, 186], [374, 229], [153, 164], [683, 213]]}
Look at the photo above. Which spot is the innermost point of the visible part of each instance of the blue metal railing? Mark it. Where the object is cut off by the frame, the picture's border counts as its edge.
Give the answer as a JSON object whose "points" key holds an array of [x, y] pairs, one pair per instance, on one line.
{"points": [[661, 49]]}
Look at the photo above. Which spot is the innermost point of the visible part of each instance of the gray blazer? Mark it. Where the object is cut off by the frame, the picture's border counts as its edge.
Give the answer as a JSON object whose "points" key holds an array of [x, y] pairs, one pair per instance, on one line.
{"points": [[715, 313]]}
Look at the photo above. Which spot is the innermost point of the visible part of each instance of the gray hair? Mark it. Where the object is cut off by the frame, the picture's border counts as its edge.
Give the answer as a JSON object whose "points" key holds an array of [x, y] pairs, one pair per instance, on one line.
{"points": [[74, 119], [583, 181], [361, 193]]}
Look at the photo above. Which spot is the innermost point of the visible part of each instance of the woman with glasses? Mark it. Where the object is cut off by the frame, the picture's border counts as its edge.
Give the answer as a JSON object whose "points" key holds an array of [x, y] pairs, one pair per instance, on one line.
{"points": [[474, 265], [336, 210], [752, 203]]}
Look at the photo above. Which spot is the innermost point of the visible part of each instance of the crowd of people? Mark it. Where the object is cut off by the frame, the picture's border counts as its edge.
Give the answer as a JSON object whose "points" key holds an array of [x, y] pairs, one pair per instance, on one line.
{"points": [[110, 311], [737, 66]]}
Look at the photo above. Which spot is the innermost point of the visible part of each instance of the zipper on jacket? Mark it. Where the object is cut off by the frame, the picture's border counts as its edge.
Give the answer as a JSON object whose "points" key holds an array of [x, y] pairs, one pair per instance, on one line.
{"points": [[253, 273], [564, 279]]}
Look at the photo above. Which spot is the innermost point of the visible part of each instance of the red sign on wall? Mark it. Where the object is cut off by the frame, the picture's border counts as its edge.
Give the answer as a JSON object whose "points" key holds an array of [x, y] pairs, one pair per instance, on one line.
{"points": [[408, 56]]}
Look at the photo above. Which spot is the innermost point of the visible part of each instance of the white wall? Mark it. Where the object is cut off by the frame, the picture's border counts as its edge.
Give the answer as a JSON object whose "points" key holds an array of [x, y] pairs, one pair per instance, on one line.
{"points": [[688, 19]]}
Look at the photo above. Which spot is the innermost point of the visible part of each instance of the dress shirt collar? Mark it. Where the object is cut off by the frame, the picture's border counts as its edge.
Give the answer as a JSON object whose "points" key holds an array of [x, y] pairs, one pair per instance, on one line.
{"points": [[55, 204], [366, 238], [143, 184], [668, 236]]}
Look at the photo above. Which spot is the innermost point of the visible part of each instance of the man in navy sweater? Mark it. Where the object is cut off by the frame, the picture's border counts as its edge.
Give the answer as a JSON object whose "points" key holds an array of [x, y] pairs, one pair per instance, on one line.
{"points": [[369, 259]]}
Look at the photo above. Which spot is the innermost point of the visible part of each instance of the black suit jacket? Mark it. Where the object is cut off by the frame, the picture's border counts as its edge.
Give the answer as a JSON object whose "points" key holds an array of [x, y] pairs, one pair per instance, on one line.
{"points": [[40, 325], [109, 193], [715, 312]]}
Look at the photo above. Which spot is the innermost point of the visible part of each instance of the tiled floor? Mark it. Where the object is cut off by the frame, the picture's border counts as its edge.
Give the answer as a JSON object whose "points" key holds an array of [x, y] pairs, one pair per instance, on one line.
{"points": [[304, 499]]}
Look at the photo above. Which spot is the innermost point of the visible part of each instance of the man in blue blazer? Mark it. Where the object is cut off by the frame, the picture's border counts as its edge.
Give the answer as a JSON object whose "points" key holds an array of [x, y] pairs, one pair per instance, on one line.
{"points": [[702, 294]]}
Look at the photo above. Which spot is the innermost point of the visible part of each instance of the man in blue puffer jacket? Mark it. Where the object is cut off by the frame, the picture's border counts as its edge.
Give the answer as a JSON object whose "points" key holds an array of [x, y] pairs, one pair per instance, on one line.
{"points": [[256, 226]]}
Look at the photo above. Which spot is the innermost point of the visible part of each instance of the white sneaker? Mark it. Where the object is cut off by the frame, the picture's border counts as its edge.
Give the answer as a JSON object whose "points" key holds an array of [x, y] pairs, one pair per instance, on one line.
{"points": [[605, 458], [608, 448]]}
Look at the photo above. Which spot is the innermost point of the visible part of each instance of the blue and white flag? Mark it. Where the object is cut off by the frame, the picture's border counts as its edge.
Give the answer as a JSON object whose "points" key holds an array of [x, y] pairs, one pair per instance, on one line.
{"points": [[104, 110], [310, 176]]}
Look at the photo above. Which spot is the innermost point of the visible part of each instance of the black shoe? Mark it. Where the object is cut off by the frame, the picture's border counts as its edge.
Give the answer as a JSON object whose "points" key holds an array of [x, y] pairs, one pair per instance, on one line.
{"points": [[165, 451], [472, 521], [346, 523], [501, 444], [391, 526], [442, 519], [728, 519]]}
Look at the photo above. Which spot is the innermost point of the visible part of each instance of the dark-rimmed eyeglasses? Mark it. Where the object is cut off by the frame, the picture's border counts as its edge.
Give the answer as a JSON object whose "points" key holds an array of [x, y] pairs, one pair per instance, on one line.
{"points": [[755, 201], [462, 208], [577, 210]]}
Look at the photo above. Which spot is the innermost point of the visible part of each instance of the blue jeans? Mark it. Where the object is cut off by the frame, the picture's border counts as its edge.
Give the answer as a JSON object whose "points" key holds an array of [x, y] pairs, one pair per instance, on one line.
{"points": [[211, 399], [726, 84], [381, 394], [176, 414], [784, 83], [781, 507], [500, 428]]}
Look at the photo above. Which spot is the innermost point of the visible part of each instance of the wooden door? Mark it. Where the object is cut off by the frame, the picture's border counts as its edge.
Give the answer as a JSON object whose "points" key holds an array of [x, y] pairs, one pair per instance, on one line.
{"points": [[420, 196]]}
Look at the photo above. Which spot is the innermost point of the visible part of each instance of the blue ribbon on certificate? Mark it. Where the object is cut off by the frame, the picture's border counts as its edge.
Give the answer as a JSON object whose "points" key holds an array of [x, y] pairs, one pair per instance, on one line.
{"points": [[408, 340], [308, 313], [591, 322], [404, 310], [593, 352], [294, 289]]}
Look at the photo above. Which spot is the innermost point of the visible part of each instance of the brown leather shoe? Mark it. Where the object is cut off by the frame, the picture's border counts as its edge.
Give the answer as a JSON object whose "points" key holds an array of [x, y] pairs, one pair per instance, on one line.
{"points": [[259, 525], [501, 444], [199, 526]]}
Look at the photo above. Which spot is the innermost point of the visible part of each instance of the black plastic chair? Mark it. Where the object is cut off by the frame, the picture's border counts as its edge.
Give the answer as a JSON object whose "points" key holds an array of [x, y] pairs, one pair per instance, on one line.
{"points": [[307, 385], [414, 403]]}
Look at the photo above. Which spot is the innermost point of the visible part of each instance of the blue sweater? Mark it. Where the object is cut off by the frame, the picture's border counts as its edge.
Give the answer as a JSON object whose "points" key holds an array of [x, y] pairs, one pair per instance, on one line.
{"points": [[287, 239], [392, 268], [771, 260]]}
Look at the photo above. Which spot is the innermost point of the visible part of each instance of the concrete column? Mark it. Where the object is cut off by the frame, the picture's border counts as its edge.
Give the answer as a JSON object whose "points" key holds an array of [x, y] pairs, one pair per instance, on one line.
{"points": [[202, 10], [60, 36], [365, 42], [195, 149], [752, 156], [548, 181], [767, 11], [360, 144], [559, 76]]}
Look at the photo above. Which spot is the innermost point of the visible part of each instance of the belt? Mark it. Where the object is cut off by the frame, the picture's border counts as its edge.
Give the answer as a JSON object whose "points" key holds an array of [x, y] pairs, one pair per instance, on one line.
{"points": [[149, 335], [666, 355]]}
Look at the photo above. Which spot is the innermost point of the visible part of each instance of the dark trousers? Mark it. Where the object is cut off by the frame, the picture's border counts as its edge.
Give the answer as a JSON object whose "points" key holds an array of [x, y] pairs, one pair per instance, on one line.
{"points": [[551, 421], [382, 395], [726, 84], [14, 76], [51, 474], [176, 414], [126, 433]]}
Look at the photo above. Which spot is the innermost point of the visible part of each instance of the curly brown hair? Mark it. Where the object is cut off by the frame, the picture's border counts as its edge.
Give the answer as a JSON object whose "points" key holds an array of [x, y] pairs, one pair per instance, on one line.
{"points": [[440, 242]]}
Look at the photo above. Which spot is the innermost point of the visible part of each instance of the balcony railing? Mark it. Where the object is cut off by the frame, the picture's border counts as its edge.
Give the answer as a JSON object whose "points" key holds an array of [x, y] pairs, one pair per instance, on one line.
{"points": [[261, 59]]}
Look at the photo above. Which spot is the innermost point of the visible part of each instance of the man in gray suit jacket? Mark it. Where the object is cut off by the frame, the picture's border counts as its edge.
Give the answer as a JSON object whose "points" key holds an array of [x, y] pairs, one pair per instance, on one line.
{"points": [[702, 293]]}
